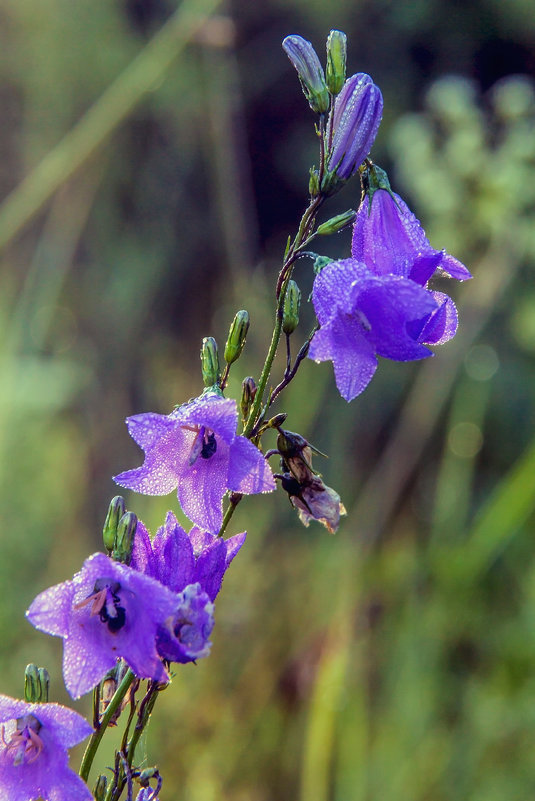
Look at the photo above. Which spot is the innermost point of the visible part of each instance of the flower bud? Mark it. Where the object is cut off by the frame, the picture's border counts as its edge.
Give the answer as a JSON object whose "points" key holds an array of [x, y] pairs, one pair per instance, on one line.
{"points": [[146, 775], [248, 391], [236, 336], [101, 787], [356, 116], [290, 314], [124, 540], [211, 373], [337, 223], [310, 72], [36, 683], [335, 73], [314, 183], [116, 510]]}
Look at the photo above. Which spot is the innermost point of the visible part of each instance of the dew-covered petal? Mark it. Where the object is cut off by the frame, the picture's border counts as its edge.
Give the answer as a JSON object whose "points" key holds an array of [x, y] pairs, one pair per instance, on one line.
{"points": [[248, 470], [387, 238], [50, 610], [163, 464], [148, 428], [342, 342], [85, 664], [441, 325], [331, 288], [142, 557], [211, 411], [202, 487], [388, 304], [453, 267], [174, 555], [210, 567], [69, 727], [233, 546]]}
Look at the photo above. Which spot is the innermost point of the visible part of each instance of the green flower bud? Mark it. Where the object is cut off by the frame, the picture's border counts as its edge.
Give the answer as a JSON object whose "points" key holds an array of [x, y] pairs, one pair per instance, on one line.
{"points": [[211, 373], [248, 391], [335, 73], [36, 683], [101, 788], [146, 775], [116, 510], [236, 336], [314, 183], [122, 549], [337, 223], [290, 315]]}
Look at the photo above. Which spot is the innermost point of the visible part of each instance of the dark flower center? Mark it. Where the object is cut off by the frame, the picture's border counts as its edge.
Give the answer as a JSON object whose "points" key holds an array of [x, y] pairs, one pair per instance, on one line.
{"points": [[25, 745], [209, 446], [105, 602], [204, 445]]}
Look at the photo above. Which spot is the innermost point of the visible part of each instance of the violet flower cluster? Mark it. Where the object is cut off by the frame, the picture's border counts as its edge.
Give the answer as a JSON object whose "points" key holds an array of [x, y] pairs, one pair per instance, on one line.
{"points": [[148, 603]]}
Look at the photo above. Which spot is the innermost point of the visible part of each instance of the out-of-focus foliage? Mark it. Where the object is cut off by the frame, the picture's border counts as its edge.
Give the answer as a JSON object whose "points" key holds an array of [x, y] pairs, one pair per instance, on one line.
{"points": [[396, 660]]}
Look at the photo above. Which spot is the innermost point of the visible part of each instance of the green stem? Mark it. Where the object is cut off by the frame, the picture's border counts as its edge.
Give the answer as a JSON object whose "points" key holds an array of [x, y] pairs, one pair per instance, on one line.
{"points": [[113, 706], [303, 235]]}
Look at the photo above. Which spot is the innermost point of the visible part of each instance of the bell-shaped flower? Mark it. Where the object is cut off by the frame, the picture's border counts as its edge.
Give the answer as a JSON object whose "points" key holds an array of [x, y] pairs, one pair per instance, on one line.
{"points": [[363, 316], [196, 449], [108, 610], [193, 565], [33, 751], [356, 118]]}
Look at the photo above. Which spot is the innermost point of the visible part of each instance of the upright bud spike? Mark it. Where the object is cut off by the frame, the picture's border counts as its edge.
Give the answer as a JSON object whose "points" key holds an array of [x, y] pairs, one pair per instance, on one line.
{"points": [[337, 223], [310, 72], [36, 683], [211, 374], [335, 73], [116, 510], [122, 550], [237, 336], [292, 301]]}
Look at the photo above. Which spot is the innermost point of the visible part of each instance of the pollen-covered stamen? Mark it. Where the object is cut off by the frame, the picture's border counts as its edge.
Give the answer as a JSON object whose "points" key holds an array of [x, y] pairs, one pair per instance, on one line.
{"points": [[25, 745], [204, 444], [105, 602]]}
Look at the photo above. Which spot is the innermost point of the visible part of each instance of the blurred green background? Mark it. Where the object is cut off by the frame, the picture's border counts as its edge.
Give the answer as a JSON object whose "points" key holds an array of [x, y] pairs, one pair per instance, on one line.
{"points": [[152, 166]]}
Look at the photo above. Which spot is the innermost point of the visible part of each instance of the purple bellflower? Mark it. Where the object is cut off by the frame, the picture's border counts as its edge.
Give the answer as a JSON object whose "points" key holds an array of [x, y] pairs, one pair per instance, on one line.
{"points": [[377, 303], [356, 118], [196, 449], [33, 751], [107, 611], [192, 565]]}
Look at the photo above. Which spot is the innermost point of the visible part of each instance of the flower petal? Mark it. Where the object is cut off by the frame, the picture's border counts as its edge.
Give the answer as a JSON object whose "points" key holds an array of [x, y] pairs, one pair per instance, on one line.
{"points": [[248, 470]]}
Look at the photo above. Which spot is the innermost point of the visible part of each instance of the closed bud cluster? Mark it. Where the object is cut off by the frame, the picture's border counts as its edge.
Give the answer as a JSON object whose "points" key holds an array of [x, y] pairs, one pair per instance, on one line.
{"points": [[211, 373], [356, 118], [36, 683], [116, 510], [337, 223], [335, 73], [292, 302], [126, 529], [305, 60], [237, 336]]}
